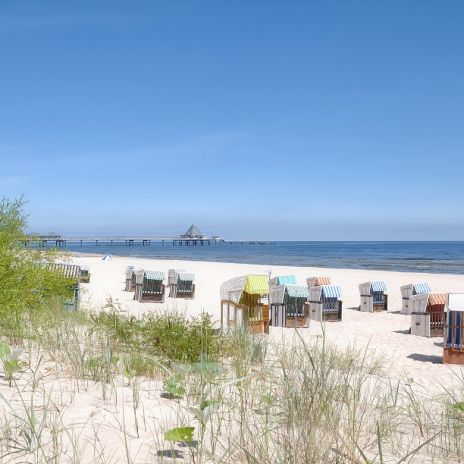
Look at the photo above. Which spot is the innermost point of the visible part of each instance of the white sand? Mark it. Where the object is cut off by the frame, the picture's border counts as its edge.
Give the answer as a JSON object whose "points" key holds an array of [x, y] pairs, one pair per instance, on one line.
{"points": [[384, 334], [93, 425]]}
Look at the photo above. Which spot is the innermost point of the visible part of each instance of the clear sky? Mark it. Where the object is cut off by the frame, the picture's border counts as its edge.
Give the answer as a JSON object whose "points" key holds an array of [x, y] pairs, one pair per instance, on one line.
{"points": [[253, 119]]}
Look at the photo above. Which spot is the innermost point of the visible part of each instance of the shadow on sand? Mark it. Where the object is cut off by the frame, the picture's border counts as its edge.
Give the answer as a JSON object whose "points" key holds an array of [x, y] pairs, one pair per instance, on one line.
{"points": [[434, 359], [404, 332], [170, 454]]}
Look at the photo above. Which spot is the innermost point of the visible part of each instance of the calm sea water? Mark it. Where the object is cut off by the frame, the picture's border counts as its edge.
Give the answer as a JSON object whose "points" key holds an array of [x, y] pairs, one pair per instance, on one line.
{"points": [[440, 257]]}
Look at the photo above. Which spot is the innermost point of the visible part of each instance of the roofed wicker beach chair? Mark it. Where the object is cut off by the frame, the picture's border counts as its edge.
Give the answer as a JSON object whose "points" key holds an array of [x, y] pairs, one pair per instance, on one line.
{"points": [[181, 284], [428, 314], [453, 346], [73, 273], [130, 279], [373, 296], [149, 286], [325, 303], [287, 303], [407, 291], [245, 303], [85, 275]]}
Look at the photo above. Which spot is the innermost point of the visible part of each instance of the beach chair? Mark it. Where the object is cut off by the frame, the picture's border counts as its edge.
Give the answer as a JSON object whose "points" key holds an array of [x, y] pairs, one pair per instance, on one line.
{"points": [[245, 304], [130, 279], [181, 284], [373, 297], [317, 281], [73, 273], [288, 307], [453, 346], [407, 291], [325, 303], [85, 275], [149, 286], [428, 314]]}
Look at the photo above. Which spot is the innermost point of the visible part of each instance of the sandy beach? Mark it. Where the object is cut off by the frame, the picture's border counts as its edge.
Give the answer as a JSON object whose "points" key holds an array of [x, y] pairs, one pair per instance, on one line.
{"points": [[382, 334]]}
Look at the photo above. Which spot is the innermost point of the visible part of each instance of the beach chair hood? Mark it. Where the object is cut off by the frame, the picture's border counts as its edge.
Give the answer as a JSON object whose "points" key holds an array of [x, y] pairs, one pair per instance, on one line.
{"points": [[251, 284], [367, 288], [316, 281], [325, 291], [154, 275]]}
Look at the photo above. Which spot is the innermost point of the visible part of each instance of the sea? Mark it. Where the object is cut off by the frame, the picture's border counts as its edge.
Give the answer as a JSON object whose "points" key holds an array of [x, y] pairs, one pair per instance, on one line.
{"points": [[435, 257]]}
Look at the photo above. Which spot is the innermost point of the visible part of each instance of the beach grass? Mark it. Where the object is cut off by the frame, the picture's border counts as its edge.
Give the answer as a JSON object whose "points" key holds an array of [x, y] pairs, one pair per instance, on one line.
{"points": [[248, 400]]}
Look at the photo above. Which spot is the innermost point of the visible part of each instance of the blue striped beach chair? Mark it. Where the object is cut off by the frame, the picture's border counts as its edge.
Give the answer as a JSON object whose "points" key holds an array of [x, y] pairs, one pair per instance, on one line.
{"points": [[453, 346], [373, 296], [407, 291], [325, 303]]}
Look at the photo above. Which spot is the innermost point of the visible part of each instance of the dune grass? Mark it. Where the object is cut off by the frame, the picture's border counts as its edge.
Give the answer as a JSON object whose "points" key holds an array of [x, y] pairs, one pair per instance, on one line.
{"points": [[228, 398]]}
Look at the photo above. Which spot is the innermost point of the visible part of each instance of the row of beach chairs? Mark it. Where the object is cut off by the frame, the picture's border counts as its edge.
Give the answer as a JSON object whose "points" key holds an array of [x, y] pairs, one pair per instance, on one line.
{"points": [[255, 302], [149, 285]]}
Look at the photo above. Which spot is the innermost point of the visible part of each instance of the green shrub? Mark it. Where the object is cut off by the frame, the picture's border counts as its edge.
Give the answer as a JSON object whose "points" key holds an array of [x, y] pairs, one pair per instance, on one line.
{"points": [[171, 336], [27, 285]]}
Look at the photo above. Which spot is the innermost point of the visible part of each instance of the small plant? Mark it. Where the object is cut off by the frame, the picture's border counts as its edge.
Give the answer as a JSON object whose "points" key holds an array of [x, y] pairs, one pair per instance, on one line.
{"points": [[10, 361], [180, 435], [173, 386]]}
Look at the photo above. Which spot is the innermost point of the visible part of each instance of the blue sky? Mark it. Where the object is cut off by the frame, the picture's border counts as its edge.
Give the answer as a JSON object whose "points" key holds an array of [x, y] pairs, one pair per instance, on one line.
{"points": [[252, 119]]}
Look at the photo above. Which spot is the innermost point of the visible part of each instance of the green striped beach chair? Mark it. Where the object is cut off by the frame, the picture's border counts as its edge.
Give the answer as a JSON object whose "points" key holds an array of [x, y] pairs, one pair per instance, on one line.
{"points": [[181, 284], [149, 286], [288, 304]]}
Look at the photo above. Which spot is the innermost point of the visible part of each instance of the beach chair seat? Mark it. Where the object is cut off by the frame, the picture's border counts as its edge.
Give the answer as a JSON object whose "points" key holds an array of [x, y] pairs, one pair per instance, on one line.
{"points": [[288, 305], [151, 288], [325, 303], [428, 314], [373, 296]]}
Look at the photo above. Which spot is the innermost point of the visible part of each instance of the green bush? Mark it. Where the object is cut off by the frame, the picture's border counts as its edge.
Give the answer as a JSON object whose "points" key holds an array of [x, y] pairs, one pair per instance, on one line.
{"points": [[26, 283], [171, 336]]}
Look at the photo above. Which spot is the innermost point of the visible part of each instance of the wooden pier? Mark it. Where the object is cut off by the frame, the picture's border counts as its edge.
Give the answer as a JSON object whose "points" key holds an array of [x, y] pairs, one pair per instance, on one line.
{"points": [[62, 242]]}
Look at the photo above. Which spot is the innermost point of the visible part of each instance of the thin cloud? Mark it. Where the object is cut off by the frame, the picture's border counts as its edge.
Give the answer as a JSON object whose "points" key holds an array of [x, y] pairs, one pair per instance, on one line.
{"points": [[11, 24]]}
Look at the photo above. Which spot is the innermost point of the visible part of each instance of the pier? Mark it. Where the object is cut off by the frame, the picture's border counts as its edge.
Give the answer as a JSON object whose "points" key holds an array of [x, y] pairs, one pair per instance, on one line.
{"points": [[192, 237], [62, 242]]}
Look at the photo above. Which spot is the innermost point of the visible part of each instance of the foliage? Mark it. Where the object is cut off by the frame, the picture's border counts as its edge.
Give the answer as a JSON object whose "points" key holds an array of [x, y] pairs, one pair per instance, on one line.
{"points": [[173, 386], [10, 360], [171, 336], [27, 284], [180, 434]]}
